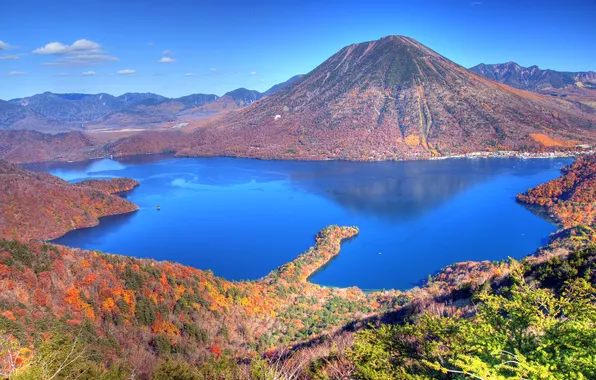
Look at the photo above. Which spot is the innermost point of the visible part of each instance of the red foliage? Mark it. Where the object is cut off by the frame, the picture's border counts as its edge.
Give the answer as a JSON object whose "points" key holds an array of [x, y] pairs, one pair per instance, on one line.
{"points": [[215, 350]]}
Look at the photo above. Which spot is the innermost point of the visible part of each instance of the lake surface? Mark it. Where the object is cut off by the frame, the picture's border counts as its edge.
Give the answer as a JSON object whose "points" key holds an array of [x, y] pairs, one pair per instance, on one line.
{"points": [[242, 218]]}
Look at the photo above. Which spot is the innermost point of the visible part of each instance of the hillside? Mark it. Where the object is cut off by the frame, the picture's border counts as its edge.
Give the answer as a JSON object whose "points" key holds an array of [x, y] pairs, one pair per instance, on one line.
{"points": [[571, 199], [110, 186], [41, 206], [393, 99], [32, 146]]}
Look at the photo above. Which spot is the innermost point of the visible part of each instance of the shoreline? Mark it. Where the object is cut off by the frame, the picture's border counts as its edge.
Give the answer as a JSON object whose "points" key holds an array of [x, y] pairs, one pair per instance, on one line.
{"points": [[480, 154], [516, 154]]}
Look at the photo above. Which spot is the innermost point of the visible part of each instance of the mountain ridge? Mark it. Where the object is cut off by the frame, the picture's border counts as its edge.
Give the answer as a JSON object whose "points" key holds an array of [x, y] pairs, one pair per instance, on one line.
{"points": [[61, 112], [544, 81]]}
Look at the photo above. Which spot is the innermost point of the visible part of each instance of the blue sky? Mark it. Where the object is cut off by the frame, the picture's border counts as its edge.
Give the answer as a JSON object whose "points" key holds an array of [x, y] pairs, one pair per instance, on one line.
{"points": [[217, 46]]}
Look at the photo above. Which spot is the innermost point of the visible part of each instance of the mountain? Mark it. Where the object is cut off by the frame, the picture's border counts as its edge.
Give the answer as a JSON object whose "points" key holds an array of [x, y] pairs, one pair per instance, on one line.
{"points": [[542, 81], [10, 113], [70, 110], [243, 97], [282, 85], [393, 99], [49, 112], [196, 100], [148, 98]]}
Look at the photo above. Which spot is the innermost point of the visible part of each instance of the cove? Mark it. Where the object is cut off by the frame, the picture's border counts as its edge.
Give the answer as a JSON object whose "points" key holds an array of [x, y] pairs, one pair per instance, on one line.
{"points": [[242, 218]]}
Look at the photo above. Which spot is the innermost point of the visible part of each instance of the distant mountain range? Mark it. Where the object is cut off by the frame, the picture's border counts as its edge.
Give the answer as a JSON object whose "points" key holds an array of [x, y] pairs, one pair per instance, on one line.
{"points": [[49, 112], [533, 78], [389, 99]]}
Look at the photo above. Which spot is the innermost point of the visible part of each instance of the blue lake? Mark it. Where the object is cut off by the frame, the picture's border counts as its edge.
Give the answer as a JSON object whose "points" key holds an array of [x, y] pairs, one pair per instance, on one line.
{"points": [[242, 218]]}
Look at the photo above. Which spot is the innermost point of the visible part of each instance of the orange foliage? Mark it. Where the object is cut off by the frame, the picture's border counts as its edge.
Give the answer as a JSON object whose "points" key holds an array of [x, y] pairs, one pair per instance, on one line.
{"points": [[8, 314], [164, 327], [73, 297], [550, 142]]}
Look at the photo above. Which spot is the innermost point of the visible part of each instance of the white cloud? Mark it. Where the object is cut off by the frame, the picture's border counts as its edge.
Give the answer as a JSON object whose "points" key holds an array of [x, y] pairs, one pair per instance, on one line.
{"points": [[80, 53], [126, 72], [63, 74], [17, 73], [214, 69], [5, 46], [254, 73], [88, 73], [167, 60], [167, 52], [149, 43], [78, 47], [9, 57], [52, 48], [190, 75]]}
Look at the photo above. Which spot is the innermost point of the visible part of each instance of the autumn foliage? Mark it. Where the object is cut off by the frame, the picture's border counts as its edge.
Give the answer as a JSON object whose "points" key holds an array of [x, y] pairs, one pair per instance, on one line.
{"points": [[570, 198], [159, 308], [41, 206]]}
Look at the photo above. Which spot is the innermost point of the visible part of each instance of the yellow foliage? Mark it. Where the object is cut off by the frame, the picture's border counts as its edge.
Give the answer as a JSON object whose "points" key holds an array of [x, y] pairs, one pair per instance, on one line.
{"points": [[108, 304], [412, 140]]}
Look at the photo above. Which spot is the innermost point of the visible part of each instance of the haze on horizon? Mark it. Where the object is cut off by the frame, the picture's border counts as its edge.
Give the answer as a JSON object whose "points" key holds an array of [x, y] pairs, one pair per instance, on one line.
{"points": [[183, 47]]}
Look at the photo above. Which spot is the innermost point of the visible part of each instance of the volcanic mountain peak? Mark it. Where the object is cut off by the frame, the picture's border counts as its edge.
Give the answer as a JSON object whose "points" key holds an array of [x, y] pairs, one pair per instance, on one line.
{"points": [[393, 98], [389, 62]]}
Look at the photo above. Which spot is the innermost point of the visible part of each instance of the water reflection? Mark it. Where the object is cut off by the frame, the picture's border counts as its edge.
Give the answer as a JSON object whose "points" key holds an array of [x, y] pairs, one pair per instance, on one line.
{"points": [[101, 167], [88, 237], [400, 190], [395, 190]]}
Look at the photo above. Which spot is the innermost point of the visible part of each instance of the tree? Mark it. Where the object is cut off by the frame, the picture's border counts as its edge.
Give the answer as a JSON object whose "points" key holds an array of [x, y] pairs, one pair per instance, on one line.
{"points": [[175, 370], [10, 356], [526, 333]]}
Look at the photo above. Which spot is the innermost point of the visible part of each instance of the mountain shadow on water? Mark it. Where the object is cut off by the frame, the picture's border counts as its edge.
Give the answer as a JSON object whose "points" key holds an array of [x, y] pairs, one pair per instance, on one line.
{"points": [[396, 191]]}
